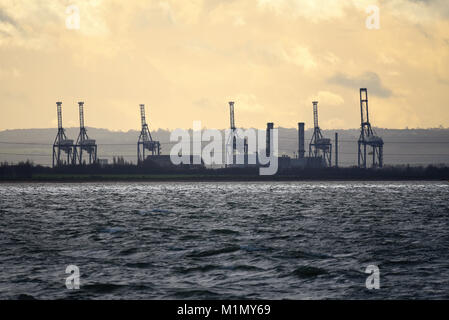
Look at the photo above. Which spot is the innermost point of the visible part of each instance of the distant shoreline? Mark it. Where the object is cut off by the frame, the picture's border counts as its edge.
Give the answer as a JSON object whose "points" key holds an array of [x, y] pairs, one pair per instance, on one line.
{"points": [[201, 178], [27, 172]]}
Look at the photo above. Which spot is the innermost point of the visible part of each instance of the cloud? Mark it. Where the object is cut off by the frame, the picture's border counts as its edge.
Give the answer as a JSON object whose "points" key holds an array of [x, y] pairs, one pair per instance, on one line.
{"points": [[203, 103], [313, 9], [417, 11], [433, 7], [5, 18], [267, 55], [210, 5], [248, 102], [321, 10], [239, 21], [327, 98], [369, 80], [300, 56], [333, 123], [8, 25]]}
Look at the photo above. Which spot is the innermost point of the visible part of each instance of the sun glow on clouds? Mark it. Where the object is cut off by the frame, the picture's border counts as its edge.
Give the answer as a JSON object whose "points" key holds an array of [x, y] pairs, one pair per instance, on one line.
{"points": [[187, 59], [326, 98], [315, 10]]}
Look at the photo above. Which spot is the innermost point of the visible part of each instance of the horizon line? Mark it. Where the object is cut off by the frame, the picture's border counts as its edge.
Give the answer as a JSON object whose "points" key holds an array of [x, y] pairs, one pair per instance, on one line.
{"points": [[206, 128]]}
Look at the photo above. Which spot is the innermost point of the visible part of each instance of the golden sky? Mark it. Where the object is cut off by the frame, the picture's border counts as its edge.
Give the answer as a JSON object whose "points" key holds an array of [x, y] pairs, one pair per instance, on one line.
{"points": [[186, 59]]}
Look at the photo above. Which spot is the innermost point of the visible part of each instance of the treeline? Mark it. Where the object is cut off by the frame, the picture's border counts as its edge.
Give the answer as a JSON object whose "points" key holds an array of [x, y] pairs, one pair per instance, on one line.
{"points": [[20, 170], [29, 171], [119, 167], [400, 172]]}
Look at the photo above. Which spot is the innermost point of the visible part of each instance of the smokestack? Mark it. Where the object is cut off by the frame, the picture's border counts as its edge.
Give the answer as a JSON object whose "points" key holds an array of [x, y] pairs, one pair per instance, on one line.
{"points": [[336, 149], [301, 150], [269, 129]]}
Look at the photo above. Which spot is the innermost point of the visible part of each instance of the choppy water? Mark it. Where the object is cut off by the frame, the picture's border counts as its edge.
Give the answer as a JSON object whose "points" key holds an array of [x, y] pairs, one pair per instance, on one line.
{"points": [[225, 240]]}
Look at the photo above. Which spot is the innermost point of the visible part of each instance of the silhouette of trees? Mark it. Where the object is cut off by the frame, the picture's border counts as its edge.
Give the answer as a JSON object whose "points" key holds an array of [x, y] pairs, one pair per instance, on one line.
{"points": [[121, 168]]}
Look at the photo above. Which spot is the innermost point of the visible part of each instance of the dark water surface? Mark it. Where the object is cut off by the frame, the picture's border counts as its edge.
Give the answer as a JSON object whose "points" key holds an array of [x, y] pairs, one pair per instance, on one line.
{"points": [[225, 240]]}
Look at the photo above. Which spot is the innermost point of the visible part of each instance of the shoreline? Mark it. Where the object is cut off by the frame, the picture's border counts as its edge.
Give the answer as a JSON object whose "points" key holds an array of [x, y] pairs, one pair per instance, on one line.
{"points": [[205, 178]]}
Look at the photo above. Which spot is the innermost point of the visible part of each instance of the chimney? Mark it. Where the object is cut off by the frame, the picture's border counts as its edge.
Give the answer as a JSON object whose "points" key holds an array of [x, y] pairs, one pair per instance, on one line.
{"points": [[269, 129], [301, 150], [336, 149]]}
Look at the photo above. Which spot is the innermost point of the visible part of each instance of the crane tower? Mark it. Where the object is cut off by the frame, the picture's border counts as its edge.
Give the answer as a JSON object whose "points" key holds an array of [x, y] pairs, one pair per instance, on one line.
{"points": [[83, 143], [62, 144], [319, 146], [145, 141], [368, 137], [231, 145]]}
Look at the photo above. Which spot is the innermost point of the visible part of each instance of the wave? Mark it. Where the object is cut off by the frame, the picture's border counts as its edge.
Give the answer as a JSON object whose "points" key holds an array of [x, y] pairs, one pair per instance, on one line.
{"points": [[224, 231], [102, 287], [213, 252], [308, 272]]}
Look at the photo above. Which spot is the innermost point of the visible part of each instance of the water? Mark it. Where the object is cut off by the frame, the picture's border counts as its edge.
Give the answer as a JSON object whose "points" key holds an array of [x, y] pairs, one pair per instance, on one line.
{"points": [[225, 240]]}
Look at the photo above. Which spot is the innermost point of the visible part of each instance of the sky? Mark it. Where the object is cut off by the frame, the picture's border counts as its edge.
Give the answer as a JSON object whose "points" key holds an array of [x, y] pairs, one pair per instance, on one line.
{"points": [[186, 59]]}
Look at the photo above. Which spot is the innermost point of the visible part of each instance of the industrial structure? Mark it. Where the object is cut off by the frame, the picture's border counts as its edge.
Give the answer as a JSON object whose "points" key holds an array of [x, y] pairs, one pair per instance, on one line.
{"points": [[336, 149], [319, 146], [83, 143], [145, 141], [84, 151], [301, 148], [231, 144], [61, 143], [368, 137], [269, 143]]}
